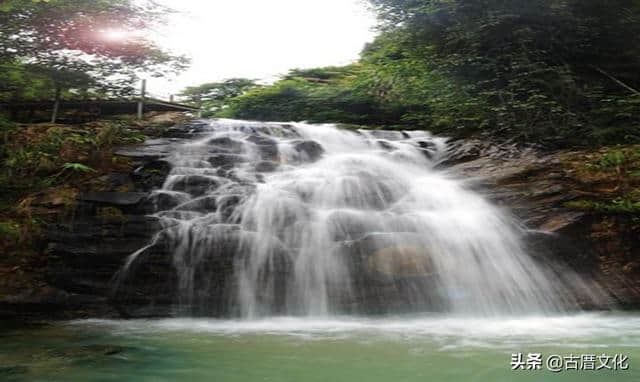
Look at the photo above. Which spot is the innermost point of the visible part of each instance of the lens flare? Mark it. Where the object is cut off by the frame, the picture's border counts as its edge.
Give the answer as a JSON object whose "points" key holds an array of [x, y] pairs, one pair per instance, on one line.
{"points": [[119, 35]]}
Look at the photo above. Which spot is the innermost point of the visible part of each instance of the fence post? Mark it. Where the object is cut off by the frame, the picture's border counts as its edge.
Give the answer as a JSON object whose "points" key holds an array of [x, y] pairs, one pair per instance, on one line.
{"points": [[143, 92], [56, 105]]}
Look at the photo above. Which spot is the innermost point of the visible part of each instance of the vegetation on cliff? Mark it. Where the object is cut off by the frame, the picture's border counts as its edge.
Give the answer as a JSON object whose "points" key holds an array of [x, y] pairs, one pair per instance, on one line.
{"points": [[612, 176], [43, 169]]}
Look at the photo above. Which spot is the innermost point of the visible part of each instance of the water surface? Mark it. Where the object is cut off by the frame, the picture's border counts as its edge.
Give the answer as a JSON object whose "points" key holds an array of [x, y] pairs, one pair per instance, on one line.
{"points": [[414, 348]]}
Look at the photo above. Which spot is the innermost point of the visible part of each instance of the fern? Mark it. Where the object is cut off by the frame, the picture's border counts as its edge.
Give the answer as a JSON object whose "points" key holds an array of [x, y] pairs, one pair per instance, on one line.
{"points": [[77, 167]]}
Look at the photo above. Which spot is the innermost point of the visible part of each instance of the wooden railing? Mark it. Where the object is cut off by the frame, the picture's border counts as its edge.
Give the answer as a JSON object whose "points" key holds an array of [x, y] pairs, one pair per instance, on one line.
{"points": [[145, 101]]}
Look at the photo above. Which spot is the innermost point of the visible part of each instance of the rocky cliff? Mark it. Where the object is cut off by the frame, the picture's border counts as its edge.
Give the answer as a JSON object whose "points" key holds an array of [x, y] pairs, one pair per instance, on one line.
{"points": [[555, 194]]}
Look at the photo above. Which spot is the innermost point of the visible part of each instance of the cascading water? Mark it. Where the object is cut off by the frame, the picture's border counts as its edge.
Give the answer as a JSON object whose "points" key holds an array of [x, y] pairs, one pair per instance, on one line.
{"points": [[277, 219]]}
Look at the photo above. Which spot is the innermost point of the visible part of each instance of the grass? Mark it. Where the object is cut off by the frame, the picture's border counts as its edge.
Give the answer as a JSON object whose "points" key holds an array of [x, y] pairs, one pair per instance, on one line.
{"points": [[35, 157], [612, 175], [624, 206]]}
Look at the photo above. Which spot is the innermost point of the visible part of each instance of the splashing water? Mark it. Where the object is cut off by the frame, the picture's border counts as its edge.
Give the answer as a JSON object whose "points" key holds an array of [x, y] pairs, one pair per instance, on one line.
{"points": [[270, 219]]}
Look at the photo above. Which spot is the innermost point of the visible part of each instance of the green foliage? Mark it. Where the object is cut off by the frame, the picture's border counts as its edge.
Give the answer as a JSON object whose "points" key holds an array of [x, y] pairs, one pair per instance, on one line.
{"points": [[541, 70], [333, 94], [62, 44], [9, 5], [556, 72], [214, 95], [5, 125], [619, 159], [40, 156], [611, 159], [613, 175], [10, 230], [79, 167], [615, 206]]}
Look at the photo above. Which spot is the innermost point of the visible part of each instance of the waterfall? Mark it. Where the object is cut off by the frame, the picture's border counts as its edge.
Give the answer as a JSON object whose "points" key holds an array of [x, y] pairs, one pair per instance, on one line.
{"points": [[270, 219]]}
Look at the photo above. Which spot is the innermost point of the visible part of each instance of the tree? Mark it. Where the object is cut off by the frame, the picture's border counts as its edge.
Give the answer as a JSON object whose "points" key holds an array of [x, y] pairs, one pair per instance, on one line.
{"points": [[213, 95], [541, 69], [331, 94], [59, 38]]}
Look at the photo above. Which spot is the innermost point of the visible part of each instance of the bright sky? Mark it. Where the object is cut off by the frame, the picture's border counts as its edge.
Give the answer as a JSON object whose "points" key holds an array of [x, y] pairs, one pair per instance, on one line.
{"points": [[261, 39]]}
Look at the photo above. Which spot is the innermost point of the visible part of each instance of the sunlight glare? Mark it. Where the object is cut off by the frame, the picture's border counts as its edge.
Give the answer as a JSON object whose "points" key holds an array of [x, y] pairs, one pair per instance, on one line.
{"points": [[118, 34]]}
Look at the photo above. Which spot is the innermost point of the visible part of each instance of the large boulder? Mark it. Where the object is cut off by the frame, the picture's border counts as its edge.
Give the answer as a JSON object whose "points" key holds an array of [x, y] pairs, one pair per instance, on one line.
{"points": [[309, 150], [162, 200], [402, 261], [391, 272], [196, 184], [151, 175], [225, 145], [266, 147], [382, 253], [266, 166], [227, 160]]}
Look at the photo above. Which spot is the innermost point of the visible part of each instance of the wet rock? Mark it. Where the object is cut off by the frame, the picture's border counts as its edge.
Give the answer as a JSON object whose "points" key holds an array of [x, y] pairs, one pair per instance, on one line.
{"points": [[385, 145], [181, 215], [391, 272], [206, 270], [241, 189], [94, 228], [386, 134], [374, 242], [427, 148], [266, 166], [227, 206], [366, 190], [162, 200], [152, 149], [389, 254], [464, 151], [311, 150], [114, 182], [288, 131], [151, 175], [402, 261], [267, 147], [148, 287], [202, 204], [85, 254], [196, 184], [348, 225], [224, 160], [398, 254], [226, 144], [429, 145], [114, 198], [191, 130]]}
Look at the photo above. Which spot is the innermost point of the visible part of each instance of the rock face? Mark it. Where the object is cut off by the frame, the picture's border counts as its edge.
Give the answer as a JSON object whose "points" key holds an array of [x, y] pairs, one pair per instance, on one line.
{"points": [[536, 186], [93, 239]]}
